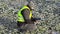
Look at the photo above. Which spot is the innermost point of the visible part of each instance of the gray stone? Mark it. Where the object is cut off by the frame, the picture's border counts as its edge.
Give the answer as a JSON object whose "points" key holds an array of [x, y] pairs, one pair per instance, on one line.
{"points": [[58, 4]]}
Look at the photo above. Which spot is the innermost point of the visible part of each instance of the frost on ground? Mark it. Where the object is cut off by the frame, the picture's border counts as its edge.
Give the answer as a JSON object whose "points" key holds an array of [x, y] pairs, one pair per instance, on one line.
{"points": [[47, 10]]}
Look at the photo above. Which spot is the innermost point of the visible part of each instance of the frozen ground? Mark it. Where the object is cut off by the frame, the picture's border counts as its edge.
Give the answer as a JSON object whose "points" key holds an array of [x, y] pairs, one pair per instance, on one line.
{"points": [[47, 10]]}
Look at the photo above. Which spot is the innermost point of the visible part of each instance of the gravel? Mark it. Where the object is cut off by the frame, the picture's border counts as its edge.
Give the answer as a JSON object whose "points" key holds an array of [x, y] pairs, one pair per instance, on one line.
{"points": [[47, 10]]}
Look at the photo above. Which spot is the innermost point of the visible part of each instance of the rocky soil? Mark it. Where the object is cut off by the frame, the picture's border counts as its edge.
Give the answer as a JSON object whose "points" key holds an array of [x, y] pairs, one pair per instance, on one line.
{"points": [[47, 10]]}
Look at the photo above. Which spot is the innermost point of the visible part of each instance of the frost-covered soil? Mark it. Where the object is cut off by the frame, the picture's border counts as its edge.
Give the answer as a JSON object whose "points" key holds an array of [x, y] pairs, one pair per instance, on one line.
{"points": [[47, 10]]}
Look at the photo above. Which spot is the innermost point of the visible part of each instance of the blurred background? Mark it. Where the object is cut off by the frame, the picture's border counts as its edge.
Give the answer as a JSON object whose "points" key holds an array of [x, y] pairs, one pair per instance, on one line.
{"points": [[47, 10]]}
